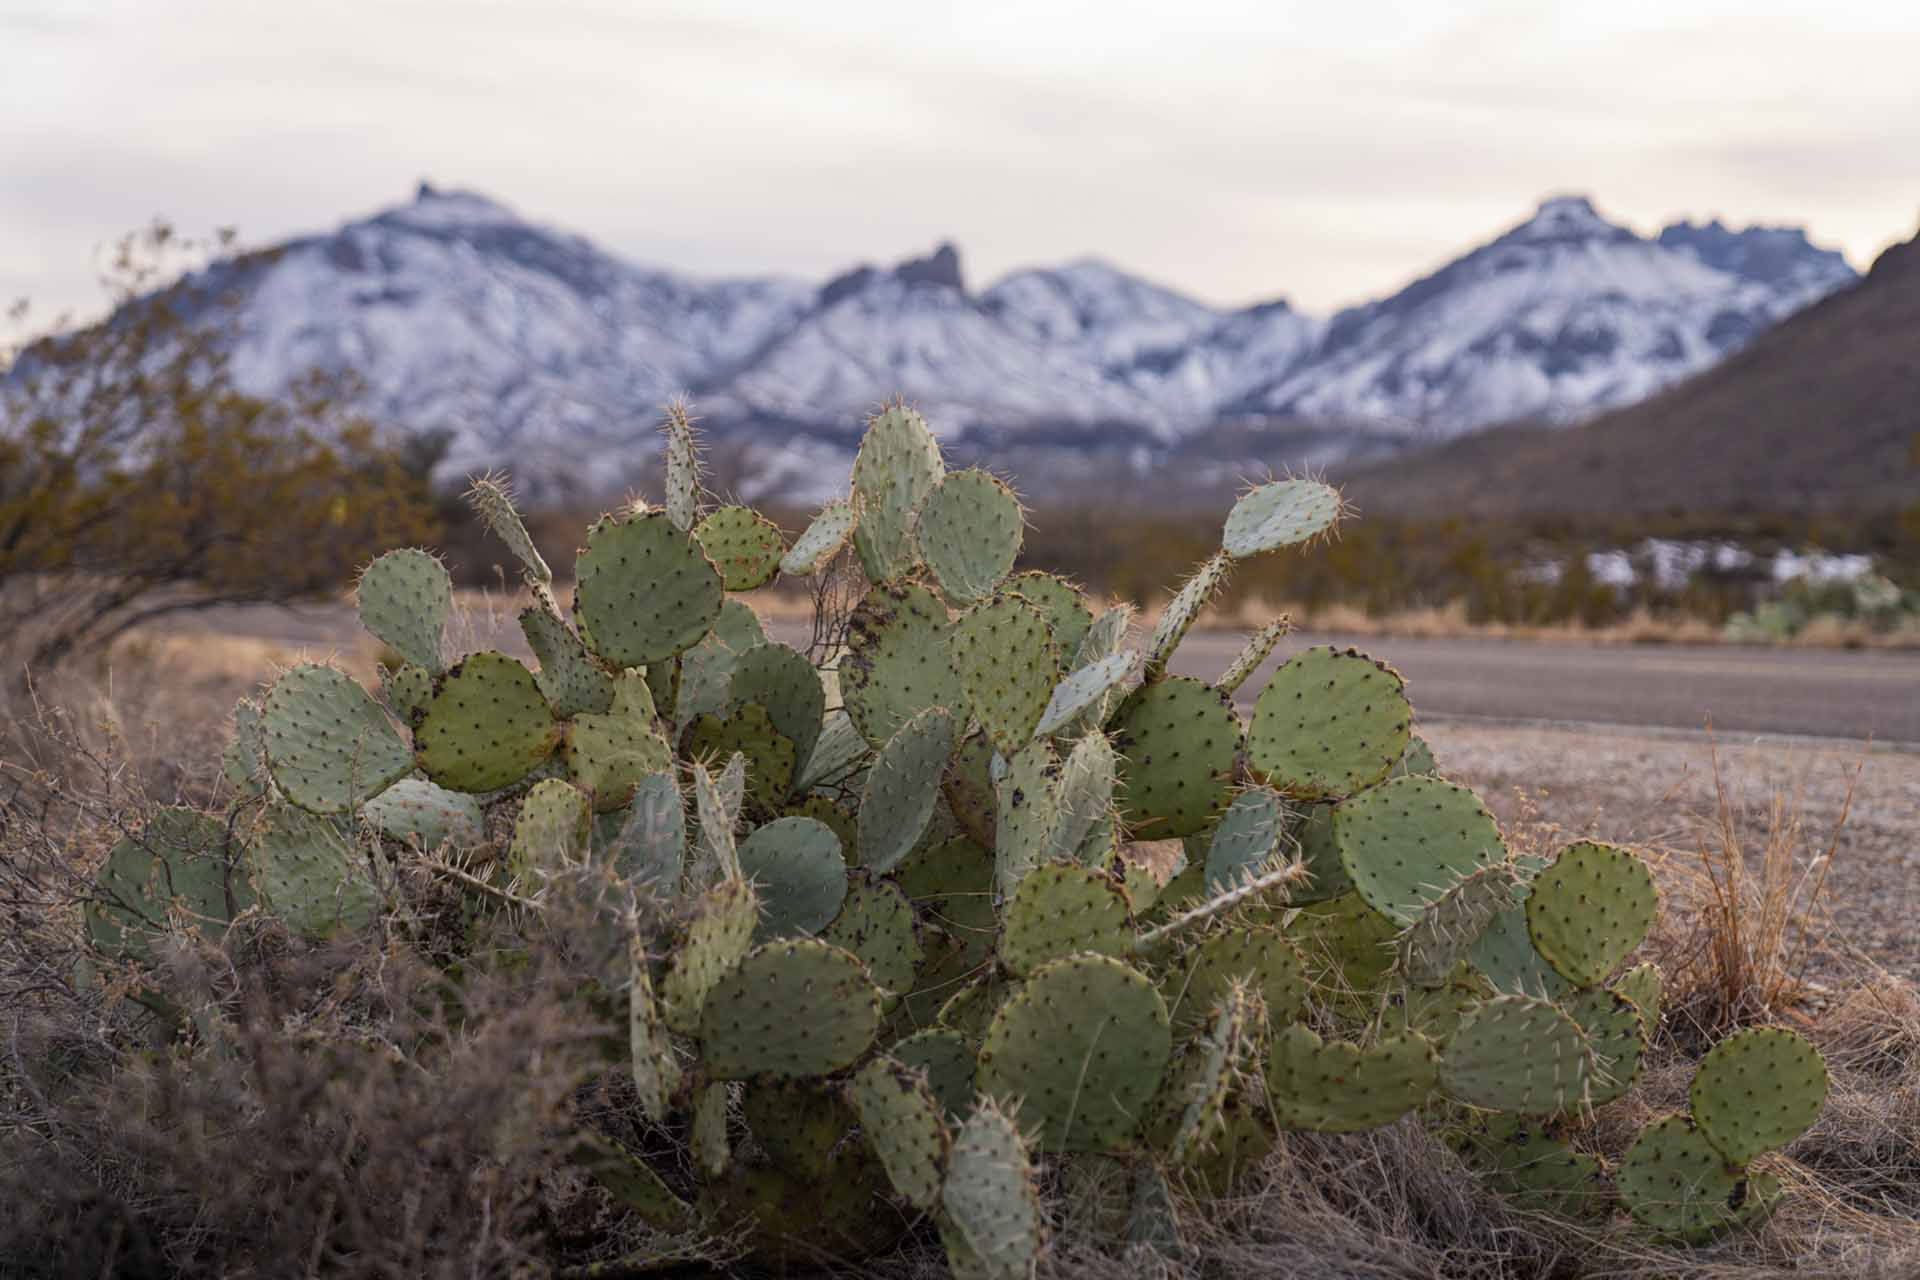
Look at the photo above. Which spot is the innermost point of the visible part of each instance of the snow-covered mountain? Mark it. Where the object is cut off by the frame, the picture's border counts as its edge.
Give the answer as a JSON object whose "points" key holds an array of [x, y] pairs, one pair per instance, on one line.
{"points": [[537, 350], [1562, 316]]}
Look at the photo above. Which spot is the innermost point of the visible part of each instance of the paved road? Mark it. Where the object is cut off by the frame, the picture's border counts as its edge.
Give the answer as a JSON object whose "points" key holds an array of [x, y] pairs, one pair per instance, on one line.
{"points": [[1823, 693]]}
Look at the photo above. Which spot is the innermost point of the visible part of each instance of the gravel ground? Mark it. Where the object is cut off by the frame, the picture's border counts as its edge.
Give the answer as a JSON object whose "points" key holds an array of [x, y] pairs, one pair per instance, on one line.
{"points": [[1656, 790]]}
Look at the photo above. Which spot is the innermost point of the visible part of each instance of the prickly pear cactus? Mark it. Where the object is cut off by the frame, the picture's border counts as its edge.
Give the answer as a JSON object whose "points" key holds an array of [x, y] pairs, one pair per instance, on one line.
{"points": [[893, 942]]}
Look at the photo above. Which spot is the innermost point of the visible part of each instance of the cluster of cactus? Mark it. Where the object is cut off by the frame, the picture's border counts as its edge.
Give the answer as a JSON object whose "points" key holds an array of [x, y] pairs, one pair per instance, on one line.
{"points": [[916, 956]]}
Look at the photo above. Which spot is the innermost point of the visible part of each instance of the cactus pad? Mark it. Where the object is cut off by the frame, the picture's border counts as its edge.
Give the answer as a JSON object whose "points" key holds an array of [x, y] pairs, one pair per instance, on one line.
{"points": [[718, 934], [1347, 945], [1083, 1045], [821, 540], [798, 875], [633, 1184], [748, 730], [1536, 1171], [1641, 984], [990, 1200], [406, 690], [1062, 909], [1675, 1182], [1260, 956], [1406, 841], [1086, 688], [1757, 1090], [610, 753], [494, 505], [1258, 648], [906, 1127], [897, 468], [646, 590], [181, 856], [968, 787], [569, 676], [903, 786], [1614, 1028], [329, 744], [1337, 1087], [969, 531], [1026, 814], [797, 1122], [404, 598], [1434, 944], [789, 1009], [552, 828], [897, 662], [1246, 838], [1066, 608], [1331, 722], [948, 1063], [486, 727], [1008, 663], [877, 924], [1188, 603], [1083, 793], [309, 874], [785, 683], [1519, 1055], [1589, 909], [651, 849], [1177, 740], [1193, 1102], [1284, 513], [1417, 758], [1327, 877], [656, 1073], [743, 544], [416, 812]]}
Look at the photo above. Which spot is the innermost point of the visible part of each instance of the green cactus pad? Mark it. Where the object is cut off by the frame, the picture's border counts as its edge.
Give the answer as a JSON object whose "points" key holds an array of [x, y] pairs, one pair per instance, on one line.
{"points": [[897, 468], [1589, 909], [1105, 635], [1063, 909], [821, 540], [487, 726], [309, 875], [1260, 956], [633, 1184], [570, 678], [749, 730], [947, 1060], [651, 848], [1008, 663], [1065, 607], [329, 744], [743, 544], [789, 1009], [716, 804], [1674, 1182], [903, 786], [1193, 1101], [416, 812], [1253, 654], [1536, 1171], [404, 598], [1246, 1137], [1347, 946], [839, 819], [704, 679], [993, 1224], [1432, 946], [1758, 1090], [683, 466], [1505, 955], [494, 505], [1083, 829], [1177, 741], [1416, 759], [1026, 814], [1613, 1027], [1284, 513], [1330, 723], [1244, 842], [877, 924], [906, 1127], [1084, 1046], [1406, 841], [1312, 830], [646, 590], [838, 754], [785, 683], [708, 1141], [1641, 984], [1086, 688], [610, 753], [798, 874], [1519, 1055], [968, 787], [552, 828], [897, 662], [1183, 611], [180, 857], [798, 1123], [1337, 1087], [719, 932], [968, 532], [406, 690]]}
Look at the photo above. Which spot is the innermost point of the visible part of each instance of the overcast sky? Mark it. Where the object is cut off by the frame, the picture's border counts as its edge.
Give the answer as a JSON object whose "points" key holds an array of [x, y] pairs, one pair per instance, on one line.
{"points": [[1240, 151]]}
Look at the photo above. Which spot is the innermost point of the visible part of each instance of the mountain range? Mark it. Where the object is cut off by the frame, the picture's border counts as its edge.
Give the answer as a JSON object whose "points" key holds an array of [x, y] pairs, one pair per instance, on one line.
{"points": [[535, 349]]}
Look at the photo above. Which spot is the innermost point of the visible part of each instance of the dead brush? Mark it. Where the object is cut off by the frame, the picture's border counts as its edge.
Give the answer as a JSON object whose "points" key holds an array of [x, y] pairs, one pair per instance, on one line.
{"points": [[1758, 906]]}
